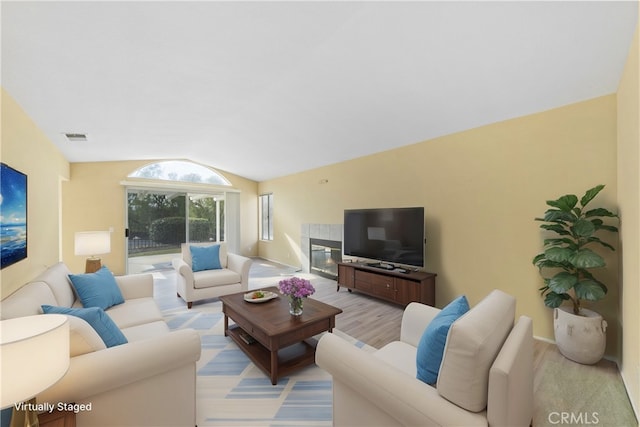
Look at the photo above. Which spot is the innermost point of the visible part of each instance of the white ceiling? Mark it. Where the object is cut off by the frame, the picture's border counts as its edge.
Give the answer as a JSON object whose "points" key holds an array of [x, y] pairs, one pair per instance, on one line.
{"points": [[264, 89]]}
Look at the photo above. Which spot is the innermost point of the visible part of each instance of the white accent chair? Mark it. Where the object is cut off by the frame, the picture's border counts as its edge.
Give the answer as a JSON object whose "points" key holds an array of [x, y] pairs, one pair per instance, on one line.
{"points": [[485, 378], [195, 286]]}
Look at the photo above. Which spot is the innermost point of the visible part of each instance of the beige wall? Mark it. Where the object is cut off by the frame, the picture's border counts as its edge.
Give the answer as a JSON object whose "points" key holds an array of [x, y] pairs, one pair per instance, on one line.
{"points": [[629, 200], [27, 149], [481, 190], [94, 199]]}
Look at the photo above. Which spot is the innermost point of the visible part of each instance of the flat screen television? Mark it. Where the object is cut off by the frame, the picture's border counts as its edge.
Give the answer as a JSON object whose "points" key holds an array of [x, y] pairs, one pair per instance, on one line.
{"points": [[390, 235]]}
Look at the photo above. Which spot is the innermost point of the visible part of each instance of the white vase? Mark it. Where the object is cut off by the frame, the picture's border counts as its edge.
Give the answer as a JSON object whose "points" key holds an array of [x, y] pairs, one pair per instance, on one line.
{"points": [[580, 338]]}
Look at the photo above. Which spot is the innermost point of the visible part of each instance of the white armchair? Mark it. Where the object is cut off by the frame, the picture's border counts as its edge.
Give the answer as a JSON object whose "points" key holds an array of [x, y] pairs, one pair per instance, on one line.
{"points": [[486, 374], [195, 286]]}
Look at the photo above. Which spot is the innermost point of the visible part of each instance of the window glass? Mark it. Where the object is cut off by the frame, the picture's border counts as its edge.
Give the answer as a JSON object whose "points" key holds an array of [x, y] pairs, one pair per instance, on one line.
{"points": [[266, 216], [176, 170]]}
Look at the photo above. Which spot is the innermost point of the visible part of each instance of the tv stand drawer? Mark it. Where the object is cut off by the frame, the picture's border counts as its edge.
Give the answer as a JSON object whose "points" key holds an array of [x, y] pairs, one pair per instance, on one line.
{"points": [[376, 280], [377, 285]]}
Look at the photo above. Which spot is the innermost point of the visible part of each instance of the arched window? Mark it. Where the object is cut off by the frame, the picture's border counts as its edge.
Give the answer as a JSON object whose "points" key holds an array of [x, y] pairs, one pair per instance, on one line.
{"points": [[180, 171]]}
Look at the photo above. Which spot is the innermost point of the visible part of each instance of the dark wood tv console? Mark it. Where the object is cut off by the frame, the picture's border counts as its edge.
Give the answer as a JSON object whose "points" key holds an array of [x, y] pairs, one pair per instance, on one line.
{"points": [[394, 286]]}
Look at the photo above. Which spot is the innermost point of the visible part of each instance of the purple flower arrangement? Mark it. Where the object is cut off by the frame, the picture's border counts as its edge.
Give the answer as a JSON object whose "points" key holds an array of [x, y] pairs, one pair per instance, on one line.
{"points": [[296, 287]]}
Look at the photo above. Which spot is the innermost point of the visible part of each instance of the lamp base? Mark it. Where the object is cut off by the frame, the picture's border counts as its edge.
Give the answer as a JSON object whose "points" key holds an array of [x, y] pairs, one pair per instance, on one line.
{"points": [[92, 265]]}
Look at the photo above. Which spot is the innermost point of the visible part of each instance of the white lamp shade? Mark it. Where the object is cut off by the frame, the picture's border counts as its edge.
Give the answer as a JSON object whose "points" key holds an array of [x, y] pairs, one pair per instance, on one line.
{"points": [[34, 354], [92, 242]]}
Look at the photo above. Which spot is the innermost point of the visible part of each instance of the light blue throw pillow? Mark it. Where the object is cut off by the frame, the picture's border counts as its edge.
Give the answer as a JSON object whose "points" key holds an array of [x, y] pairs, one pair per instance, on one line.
{"points": [[434, 338], [205, 257], [97, 318], [97, 289]]}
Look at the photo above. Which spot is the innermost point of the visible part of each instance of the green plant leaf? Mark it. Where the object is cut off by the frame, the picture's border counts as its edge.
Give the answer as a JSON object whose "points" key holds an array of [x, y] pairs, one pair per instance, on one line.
{"points": [[586, 258], [554, 215], [557, 228], [604, 288], [563, 241], [599, 212], [583, 228], [537, 259], [597, 240], [554, 300], [558, 254], [585, 274], [562, 282], [545, 263], [564, 203], [611, 228], [590, 290], [590, 194]]}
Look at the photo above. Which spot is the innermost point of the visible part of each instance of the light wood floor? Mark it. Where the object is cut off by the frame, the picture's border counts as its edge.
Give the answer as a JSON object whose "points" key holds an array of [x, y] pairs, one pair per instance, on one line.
{"points": [[563, 390]]}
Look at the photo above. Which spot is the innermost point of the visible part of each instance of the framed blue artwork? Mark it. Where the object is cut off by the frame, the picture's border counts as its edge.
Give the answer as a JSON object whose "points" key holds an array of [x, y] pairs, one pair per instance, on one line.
{"points": [[13, 215]]}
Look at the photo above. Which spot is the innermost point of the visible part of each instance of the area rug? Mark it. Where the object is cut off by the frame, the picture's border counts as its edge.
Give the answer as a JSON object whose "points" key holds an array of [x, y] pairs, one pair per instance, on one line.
{"points": [[230, 389], [589, 397]]}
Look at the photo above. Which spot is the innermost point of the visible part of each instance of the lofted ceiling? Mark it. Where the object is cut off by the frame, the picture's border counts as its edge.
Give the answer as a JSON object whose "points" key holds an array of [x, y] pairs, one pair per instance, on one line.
{"points": [[265, 89]]}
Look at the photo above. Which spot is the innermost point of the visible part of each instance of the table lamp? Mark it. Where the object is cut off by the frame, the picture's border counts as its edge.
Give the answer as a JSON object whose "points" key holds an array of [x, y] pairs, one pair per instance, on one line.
{"points": [[34, 355], [92, 243]]}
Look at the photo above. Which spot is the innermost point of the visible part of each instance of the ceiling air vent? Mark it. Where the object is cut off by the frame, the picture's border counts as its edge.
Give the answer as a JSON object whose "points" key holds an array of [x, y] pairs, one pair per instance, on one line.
{"points": [[76, 137]]}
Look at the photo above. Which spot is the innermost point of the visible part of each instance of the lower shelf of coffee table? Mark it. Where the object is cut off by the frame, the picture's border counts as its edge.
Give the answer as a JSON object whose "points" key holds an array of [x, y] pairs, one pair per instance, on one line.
{"points": [[290, 358]]}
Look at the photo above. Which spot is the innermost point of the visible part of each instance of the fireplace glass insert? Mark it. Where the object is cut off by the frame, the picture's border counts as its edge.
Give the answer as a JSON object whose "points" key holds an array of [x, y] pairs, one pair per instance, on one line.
{"points": [[325, 254]]}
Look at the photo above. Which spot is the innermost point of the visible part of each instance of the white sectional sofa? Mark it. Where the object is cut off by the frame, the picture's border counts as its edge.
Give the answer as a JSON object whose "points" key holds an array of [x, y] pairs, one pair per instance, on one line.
{"points": [[232, 277], [485, 377], [148, 381]]}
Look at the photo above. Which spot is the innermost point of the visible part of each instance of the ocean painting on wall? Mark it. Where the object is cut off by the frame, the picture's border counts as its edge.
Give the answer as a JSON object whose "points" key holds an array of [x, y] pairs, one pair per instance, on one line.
{"points": [[13, 215]]}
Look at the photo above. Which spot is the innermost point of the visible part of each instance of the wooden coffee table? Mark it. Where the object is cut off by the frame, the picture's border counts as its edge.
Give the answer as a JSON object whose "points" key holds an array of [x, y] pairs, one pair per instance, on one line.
{"points": [[283, 342]]}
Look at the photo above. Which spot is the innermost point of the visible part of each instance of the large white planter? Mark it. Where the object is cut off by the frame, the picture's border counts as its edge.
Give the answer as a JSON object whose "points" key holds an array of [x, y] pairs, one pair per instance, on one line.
{"points": [[580, 338]]}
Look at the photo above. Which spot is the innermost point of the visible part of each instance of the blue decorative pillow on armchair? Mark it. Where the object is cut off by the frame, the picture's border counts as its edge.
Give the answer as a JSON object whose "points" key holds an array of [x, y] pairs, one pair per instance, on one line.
{"points": [[434, 338], [205, 257]]}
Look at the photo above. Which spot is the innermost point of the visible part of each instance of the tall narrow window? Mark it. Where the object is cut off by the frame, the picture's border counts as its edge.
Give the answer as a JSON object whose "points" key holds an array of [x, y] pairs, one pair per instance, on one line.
{"points": [[266, 216]]}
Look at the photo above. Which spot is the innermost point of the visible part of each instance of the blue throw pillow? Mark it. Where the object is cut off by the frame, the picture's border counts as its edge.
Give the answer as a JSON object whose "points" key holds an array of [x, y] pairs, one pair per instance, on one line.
{"points": [[434, 338], [97, 289], [205, 257], [97, 318]]}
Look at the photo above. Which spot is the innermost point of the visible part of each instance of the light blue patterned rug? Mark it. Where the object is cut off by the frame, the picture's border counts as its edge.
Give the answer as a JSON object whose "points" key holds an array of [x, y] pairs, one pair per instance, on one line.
{"points": [[231, 390]]}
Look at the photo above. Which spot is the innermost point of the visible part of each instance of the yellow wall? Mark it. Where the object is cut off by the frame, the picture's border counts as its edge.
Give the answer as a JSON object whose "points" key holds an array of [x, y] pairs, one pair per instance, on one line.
{"points": [[481, 190], [27, 149], [629, 200], [94, 199]]}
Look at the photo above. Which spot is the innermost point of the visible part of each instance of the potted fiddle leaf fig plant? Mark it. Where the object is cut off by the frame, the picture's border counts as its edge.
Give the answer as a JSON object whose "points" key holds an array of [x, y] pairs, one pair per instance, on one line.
{"points": [[566, 266]]}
